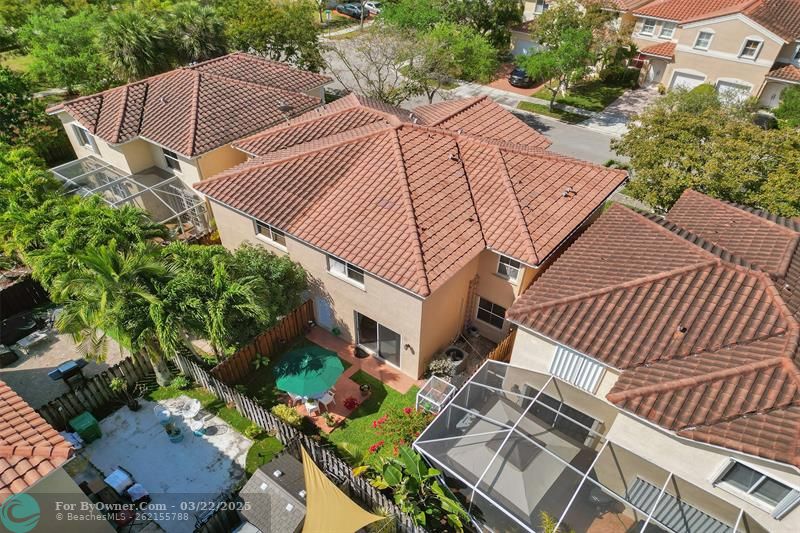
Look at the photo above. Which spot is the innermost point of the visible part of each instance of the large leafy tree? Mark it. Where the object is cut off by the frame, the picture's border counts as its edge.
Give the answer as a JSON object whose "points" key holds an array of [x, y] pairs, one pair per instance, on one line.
{"points": [[283, 30], [691, 140], [788, 111], [563, 63], [448, 52], [65, 49], [416, 15], [491, 18]]}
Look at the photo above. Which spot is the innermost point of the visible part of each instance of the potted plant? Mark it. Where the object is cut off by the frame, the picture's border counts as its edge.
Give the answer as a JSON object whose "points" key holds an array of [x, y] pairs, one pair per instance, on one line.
{"points": [[173, 432], [329, 419], [120, 386], [365, 389]]}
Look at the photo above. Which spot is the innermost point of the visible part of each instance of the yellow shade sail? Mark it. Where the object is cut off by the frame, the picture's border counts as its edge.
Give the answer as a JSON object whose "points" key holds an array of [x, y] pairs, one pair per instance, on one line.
{"points": [[328, 509]]}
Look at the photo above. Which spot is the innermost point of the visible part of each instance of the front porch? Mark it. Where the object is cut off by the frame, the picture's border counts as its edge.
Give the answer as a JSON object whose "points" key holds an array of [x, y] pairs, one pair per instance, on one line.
{"points": [[162, 194]]}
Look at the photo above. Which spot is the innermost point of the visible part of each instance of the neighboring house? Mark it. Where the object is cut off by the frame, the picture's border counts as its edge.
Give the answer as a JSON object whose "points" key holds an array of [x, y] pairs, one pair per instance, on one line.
{"points": [[672, 342], [742, 47], [32, 457], [147, 142], [411, 225]]}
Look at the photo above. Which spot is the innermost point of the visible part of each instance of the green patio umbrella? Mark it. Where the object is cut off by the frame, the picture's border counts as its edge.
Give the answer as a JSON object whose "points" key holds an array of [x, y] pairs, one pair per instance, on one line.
{"points": [[308, 371]]}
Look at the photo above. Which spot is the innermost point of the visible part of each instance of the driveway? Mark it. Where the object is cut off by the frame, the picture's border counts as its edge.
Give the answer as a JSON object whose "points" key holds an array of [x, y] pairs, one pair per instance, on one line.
{"points": [[613, 120]]}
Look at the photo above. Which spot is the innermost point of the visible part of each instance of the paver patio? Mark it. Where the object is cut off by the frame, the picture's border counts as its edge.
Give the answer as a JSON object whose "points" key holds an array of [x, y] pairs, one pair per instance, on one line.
{"points": [[179, 476]]}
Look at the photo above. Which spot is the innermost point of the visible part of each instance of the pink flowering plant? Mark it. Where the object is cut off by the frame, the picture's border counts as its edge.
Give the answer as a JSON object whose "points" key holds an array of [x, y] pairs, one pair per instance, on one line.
{"points": [[399, 428]]}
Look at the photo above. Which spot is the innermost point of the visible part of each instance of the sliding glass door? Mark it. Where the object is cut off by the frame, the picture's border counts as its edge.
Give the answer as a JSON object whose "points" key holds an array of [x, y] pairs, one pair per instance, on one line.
{"points": [[378, 339]]}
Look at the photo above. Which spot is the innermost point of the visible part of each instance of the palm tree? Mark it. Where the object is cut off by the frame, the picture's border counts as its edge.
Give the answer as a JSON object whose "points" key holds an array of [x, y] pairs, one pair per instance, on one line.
{"points": [[198, 31], [137, 44], [110, 294]]}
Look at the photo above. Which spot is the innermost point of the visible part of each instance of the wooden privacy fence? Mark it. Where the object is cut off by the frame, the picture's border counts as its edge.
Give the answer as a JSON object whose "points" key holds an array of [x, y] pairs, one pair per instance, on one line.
{"points": [[332, 465], [502, 352], [96, 395], [268, 344]]}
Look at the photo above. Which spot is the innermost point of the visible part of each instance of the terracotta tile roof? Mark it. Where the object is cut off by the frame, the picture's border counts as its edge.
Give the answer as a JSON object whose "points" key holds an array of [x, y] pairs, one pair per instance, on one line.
{"points": [[690, 10], [29, 447], [697, 311], [780, 16], [195, 109], [783, 71], [660, 50], [412, 204]]}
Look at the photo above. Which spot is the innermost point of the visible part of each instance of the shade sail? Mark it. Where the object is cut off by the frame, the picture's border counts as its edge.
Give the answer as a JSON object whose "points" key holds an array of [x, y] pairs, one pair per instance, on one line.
{"points": [[328, 509], [308, 371]]}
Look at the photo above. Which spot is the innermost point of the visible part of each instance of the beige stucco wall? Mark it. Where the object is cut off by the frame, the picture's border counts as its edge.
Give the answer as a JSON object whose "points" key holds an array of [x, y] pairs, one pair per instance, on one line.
{"points": [[58, 487], [721, 62], [220, 159], [699, 464]]}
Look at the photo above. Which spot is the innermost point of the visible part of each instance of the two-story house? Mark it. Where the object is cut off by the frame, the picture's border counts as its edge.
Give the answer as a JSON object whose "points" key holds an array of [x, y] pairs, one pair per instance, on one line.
{"points": [[147, 142], [742, 47], [653, 382], [411, 225]]}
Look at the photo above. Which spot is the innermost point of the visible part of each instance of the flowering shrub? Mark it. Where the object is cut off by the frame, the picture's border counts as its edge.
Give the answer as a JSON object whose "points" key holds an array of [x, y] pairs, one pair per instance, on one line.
{"points": [[350, 403], [400, 427], [375, 447]]}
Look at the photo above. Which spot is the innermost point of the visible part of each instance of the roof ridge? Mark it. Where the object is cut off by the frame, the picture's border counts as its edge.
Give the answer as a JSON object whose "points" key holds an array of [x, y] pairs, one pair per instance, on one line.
{"points": [[292, 124], [515, 200], [627, 284], [195, 111], [267, 160], [467, 105], [677, 384], [418, 255]]}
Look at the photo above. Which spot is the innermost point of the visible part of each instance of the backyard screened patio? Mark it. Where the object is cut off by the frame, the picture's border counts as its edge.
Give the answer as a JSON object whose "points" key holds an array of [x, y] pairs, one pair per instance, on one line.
{"points": [[163, 195], [511, 450]]}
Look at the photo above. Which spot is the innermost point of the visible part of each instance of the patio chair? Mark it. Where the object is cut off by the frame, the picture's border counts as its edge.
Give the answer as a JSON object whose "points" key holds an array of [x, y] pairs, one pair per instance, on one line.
{"points": [[294, 399], [327, 399], [311, 407], [191, 409]]}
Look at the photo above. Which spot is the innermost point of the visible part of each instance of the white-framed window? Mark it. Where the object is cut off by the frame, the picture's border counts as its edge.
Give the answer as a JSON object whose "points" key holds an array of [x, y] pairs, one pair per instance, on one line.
{"points": [[540, 7], [796, 57], [751, 48], [85, 138], [171, 159], [508, 268], [344, 270], [749, 482], [667, 30], [648, 27], [272, 235], [491, 313], [703, 40]]}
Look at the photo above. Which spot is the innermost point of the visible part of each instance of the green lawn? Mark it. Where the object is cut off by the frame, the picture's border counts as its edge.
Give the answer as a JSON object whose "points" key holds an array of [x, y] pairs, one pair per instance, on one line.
{"points": [[264, 447], [357, 431], [565, 116], [593, 95], [261, 385], [16, 62]]}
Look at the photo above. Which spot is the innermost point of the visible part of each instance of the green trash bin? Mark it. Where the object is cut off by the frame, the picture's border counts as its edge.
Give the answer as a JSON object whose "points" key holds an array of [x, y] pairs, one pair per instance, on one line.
{"points": [[86, 426]]}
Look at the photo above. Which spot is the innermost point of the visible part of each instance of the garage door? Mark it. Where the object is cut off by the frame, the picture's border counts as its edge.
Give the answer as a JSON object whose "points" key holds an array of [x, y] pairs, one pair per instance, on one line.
{"points": [[733, 91], [686, 81]]}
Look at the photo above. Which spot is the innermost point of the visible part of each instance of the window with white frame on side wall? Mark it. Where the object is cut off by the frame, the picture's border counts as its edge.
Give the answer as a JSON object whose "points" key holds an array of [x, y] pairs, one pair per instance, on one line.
{"points": [[765, 491], [85, 138]]}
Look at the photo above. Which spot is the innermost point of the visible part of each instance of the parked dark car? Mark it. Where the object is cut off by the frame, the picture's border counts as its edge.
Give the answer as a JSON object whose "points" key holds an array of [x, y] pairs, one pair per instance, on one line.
{"points": [[351, 10], [519, 78]]}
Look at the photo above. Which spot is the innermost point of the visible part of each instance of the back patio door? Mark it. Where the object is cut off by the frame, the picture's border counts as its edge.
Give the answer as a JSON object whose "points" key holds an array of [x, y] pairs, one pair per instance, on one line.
{"points": [[378, 339]]}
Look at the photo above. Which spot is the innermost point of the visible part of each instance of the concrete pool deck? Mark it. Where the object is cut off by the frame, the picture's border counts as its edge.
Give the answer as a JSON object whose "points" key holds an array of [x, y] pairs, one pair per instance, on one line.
{"points": [[182, 478]]}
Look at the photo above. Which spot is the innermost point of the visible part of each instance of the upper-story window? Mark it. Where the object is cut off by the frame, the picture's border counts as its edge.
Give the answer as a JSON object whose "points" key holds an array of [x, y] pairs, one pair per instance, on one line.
{"points": [[667, 30], [751, 48], [703, 40], [171, 159], [84, 138], [345, 270], [540, 7], [508, 268], [648, 27], [491, 313], [274, 236], [749, 481]]}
